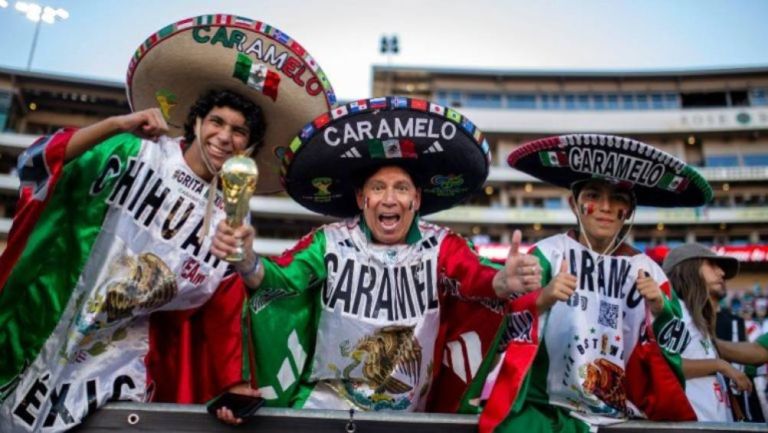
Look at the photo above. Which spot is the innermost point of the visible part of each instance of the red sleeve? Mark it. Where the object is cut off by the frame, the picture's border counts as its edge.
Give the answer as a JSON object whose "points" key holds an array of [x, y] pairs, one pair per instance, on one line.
{"points": [[39, 168], [196, 354], [461, 271]]}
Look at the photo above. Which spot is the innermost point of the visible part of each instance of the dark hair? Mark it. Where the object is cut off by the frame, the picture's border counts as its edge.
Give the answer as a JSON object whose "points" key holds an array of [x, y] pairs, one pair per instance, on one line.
{"points": [[685, 278], [254, 117], [578, 186], [361, 175]]}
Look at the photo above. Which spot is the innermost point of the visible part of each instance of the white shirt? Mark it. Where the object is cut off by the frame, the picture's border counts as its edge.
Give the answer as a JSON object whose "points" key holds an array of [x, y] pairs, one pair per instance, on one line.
{"points": [[708, 395]]}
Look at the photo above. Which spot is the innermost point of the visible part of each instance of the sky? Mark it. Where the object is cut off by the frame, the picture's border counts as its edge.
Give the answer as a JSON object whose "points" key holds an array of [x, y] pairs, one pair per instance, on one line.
{"points": [[100, 36]]}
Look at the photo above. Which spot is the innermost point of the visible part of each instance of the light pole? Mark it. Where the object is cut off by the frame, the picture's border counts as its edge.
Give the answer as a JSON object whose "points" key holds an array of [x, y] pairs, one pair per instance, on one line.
{"points": [[389, 46], [39, 14]]}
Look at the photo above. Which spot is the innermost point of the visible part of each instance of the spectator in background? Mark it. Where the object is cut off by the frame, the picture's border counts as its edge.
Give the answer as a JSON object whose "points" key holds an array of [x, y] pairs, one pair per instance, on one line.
{"points": [[729, 324], [730, 327], [757, 289], [761, 311], [698, 276], [752, 328], [755, 327]]}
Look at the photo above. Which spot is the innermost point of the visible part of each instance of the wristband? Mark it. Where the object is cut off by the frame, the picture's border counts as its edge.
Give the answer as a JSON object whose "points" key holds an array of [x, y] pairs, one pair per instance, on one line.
{"points": [[254, 269]]}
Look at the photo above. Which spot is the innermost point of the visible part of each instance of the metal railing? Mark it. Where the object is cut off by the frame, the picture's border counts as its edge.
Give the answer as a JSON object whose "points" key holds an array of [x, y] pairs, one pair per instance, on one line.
{"points": [[158, 417]]}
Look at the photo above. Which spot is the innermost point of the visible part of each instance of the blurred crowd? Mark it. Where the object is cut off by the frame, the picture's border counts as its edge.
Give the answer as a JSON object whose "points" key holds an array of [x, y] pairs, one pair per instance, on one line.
{"points": [[751, 305], [743, 317]]}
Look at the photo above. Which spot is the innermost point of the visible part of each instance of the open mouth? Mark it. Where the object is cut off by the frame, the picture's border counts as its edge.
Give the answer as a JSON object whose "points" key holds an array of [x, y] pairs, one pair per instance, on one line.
{"points": [[389, 220]]}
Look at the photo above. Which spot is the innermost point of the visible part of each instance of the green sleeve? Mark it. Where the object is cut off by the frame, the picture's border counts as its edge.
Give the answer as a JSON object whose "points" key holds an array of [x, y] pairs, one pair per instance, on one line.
{"points": [[484, 260], [546, 266], [763, 340], [283, 315], [298, 268], [670, 312]]}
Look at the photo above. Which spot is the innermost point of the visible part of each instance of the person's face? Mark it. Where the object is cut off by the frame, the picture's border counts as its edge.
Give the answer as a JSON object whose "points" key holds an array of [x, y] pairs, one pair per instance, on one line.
{"points": [[761, 310], [602, 208], [223, 133], [713, 276], [747, 311], [389, 201]]}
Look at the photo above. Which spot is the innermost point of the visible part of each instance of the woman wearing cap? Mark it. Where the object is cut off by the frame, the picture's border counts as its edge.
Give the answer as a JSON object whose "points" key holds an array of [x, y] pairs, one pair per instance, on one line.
{"points": [[380, 310], [698, 275], [607, 290], [110, 230]]}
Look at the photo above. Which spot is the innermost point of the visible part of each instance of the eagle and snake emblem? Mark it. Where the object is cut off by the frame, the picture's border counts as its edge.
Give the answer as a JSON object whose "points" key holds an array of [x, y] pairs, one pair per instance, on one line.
{"points": [[390, 349], [148, 284], [136, 285], [605, 380]]}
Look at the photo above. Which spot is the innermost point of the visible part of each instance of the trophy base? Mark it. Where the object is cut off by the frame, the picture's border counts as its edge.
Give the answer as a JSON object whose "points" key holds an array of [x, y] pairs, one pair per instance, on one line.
{"points": [[237, 256]]}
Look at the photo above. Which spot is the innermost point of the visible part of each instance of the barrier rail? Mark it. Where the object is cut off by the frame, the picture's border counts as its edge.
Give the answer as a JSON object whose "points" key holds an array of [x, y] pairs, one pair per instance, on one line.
{"points": [[159, 417]]}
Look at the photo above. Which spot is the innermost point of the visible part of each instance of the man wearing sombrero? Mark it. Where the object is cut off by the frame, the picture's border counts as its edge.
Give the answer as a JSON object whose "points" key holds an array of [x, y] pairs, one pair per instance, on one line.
{"points": [[111, 225], [380, 311], [590, 368]]}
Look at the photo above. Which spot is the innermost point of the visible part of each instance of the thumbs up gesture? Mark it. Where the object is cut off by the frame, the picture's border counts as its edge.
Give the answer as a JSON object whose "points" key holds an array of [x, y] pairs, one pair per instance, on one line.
{"points": [[649, 289], [560, 288], [521, 273]]}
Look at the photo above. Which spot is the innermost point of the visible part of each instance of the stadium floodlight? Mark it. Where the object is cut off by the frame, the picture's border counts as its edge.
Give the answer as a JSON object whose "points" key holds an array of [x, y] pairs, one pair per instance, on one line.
{"points": [[3, 4], [389, 45], [39, 14]]}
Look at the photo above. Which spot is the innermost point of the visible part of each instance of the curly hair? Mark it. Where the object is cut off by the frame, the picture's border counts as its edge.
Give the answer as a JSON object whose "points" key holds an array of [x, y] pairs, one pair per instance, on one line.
{"points": [[254, 116]]}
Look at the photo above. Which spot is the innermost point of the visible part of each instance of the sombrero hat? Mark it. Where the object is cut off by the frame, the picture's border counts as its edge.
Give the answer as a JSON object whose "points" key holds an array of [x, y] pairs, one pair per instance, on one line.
{"points": [[442, 150], [182, 61], [656, 177]]}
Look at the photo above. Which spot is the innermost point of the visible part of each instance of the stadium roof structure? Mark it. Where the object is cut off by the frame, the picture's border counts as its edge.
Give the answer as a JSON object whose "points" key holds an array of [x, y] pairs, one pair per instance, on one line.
{"points": [[575, 73], [66, 78]]}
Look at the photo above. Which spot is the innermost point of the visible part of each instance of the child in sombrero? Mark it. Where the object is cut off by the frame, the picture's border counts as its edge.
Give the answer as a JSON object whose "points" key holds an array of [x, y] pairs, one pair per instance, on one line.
{"points": [[587, 369], [108, 290], [382, 310]]}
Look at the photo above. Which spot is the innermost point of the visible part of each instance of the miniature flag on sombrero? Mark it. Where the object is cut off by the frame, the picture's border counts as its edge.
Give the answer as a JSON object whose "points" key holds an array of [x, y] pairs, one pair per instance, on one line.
{"points": [[256, 76], [553, 159], [393, 148], [674, 183]]}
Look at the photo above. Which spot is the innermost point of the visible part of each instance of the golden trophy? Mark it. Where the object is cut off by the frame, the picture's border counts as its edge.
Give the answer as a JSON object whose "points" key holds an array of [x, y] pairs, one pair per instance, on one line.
{"points": [[239, 175]]}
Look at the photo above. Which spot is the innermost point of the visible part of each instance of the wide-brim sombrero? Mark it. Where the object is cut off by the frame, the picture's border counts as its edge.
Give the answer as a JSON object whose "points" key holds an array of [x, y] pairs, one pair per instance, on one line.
{"points": [[656, 177], [443, 151], [182, 61]]}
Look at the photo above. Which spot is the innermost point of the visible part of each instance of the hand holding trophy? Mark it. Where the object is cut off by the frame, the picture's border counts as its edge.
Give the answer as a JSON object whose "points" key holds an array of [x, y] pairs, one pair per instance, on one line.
{"points": [[239, 175]]}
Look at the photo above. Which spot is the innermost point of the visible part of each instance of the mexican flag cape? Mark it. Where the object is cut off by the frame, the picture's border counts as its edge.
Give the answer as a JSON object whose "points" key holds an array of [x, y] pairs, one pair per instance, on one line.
{"points": [[341, 322], [587, 365], [98, 245]]}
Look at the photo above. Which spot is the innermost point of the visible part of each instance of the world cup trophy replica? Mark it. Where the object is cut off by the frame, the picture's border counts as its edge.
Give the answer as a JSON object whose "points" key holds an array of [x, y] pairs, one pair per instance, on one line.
{"points": [[239, 175]]}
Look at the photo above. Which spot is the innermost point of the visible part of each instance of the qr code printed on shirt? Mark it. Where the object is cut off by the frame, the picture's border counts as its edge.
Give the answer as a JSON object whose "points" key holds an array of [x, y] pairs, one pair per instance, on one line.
{"points": [[609, 313]]}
